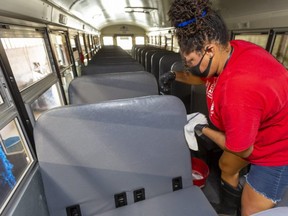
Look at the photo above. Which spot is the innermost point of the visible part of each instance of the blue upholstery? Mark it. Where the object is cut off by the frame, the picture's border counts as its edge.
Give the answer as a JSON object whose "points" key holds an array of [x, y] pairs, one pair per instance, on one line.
{"points": [[88, 153], [102, 87]]}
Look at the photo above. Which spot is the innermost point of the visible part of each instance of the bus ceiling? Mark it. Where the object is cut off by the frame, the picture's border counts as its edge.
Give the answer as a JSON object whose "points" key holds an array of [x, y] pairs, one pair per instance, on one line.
{"points": [[152, 14]]}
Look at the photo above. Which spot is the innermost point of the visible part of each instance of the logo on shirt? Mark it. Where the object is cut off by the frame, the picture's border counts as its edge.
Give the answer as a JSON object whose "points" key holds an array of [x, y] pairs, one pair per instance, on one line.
{"points": [[210, 86], [211, 112]]}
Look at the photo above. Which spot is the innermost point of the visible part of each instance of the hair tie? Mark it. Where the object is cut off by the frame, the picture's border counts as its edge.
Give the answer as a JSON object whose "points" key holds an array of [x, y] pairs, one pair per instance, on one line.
{"points": [[187, 22]]}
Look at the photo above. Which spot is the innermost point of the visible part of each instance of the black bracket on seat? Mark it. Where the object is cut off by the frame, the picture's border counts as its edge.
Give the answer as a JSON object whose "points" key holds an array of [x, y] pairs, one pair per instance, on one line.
{"points": [[139, 194], [177, 183], [120, 199], [73, 210]]}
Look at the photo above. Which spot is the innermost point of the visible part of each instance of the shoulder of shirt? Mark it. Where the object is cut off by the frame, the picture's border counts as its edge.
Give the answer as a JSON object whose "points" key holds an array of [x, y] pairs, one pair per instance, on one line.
{"points": [[241, 45]]}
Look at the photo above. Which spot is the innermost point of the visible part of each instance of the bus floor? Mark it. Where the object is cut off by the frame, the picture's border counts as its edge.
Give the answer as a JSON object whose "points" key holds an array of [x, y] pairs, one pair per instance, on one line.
{"points": [[212, 186]]}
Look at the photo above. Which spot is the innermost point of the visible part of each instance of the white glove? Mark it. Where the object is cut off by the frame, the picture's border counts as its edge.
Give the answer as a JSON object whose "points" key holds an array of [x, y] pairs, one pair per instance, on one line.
{"points": [[193, 119]]}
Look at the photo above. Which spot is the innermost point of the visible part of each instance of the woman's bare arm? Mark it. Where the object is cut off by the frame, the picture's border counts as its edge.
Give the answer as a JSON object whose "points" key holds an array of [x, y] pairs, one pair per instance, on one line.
{"points": [[188, 78]]}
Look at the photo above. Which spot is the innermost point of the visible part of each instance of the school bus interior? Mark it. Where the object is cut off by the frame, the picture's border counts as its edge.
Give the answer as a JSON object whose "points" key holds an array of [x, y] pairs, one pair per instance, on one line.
{"points": [[85, 128]]}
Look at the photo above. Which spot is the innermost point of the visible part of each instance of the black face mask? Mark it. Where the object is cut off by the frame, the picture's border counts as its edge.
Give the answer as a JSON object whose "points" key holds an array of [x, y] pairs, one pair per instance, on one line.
{"points": [[196, 69]]}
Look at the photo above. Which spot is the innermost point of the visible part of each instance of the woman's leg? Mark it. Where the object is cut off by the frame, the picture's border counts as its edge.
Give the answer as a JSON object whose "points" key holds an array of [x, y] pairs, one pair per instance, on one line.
{"points": [[230, 166], [265, 186], [230, 190], [253, 202]]}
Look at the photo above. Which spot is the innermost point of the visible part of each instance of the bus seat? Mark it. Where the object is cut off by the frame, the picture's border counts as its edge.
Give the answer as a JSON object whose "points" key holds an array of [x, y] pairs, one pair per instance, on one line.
{"points": [[95, 155], [111, 59], [143, 55], [277, 211], [179, 89], [284, 201], [112, 67], [149, 57], [102, 87], [167, 61], [198, 99], [178, 203], [135, 50], [155, 60]]}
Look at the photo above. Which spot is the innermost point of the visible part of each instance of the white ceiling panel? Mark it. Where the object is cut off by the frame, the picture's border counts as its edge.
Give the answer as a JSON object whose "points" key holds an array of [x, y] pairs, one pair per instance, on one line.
{"points": [[101, 13]]}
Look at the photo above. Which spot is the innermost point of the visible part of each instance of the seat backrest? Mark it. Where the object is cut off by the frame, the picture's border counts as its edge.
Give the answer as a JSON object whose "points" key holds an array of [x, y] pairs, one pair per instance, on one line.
{"points": [[88, 153], [148, 58], [198, 99], [112, 68], [167, 61], [102, 87], [179, 89], [143, 55], [155, 59]]}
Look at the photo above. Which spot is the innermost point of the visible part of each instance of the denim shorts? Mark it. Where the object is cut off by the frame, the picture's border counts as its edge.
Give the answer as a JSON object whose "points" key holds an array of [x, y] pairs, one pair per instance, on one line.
{"points": [[270, 181]]}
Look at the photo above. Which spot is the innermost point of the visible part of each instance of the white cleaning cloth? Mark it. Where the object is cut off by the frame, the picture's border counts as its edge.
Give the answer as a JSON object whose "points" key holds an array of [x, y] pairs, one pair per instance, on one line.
{"points": [[193, 119]]}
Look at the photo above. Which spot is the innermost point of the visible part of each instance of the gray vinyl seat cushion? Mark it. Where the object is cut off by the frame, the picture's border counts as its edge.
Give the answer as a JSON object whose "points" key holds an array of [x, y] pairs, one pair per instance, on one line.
{"points": [[102, 87], [278, 211], [88, 153], [112, 68]]}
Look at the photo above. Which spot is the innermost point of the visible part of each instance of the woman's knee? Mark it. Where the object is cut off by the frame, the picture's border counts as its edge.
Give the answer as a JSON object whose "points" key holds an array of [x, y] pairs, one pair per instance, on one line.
{"points": [[224, 164], [231, 164], [227, 166]]}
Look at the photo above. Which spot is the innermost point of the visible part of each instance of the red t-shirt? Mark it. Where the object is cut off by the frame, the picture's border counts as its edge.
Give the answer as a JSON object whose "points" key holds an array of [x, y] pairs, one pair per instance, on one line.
{"points": [[249, 103]]}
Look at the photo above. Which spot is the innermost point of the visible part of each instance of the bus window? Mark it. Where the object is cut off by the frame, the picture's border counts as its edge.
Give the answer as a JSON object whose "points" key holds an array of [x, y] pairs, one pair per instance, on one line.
{"points": [[74, 48], [151, 41], [280, 49], [14, 159], [96, 44], [88, 46], [157, 40], [108, 40], [76, 55], [169, 42], [163, 41], [48, 100], [139, 40], [82, 44], [1, 99], [125, 42], [83, 49], [259, 39], [28, 59], [61, 51], [175, 44]]}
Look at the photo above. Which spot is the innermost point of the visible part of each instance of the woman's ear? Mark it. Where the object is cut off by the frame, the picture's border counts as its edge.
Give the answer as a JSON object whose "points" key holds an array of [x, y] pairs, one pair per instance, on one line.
{"points": [[210, 50]]}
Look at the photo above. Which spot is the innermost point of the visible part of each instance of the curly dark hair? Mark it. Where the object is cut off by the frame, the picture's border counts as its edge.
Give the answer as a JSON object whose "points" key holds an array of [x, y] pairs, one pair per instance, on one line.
{"points": [[207, 25]]}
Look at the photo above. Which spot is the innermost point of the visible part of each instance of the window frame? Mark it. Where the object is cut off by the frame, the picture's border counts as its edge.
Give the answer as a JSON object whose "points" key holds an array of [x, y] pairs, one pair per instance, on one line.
{"points": [[251, 32], [7, 115], [30, 92]]}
